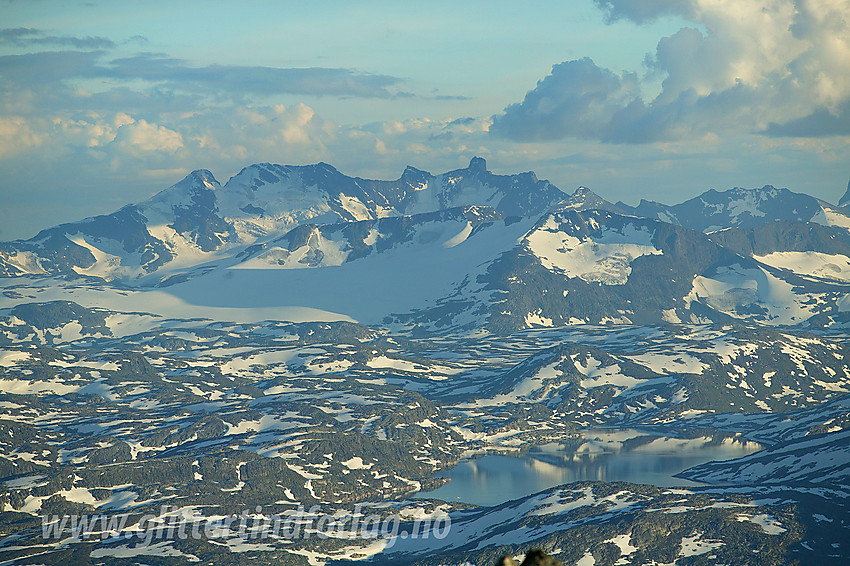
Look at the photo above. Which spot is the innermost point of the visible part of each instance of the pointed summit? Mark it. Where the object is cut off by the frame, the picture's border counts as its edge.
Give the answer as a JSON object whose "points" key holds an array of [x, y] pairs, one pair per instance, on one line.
{"points": [[845, 200], [413, 176], [585, 199], [584, 192], [411, 171], [198, 179], [198, 184], [203, 175]]}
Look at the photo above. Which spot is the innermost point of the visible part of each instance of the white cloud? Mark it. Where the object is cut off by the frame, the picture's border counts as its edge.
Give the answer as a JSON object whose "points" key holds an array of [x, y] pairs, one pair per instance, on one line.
{"points": [[745, 66], [825, 27], [140, 136], [17, 135]]}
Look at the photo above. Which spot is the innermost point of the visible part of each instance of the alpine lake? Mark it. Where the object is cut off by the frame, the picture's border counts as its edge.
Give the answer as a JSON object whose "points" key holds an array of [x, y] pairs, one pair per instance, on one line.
{"points": [[606, 455]]}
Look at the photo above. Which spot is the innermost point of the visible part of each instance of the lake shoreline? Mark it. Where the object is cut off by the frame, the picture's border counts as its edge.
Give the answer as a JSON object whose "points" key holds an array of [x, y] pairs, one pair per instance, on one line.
{"points": [[600, 454]]}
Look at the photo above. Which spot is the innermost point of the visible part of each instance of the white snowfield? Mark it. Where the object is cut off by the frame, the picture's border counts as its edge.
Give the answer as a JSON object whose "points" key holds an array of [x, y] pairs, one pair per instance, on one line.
{"points": [[606, 259], [323, 251], [166, 302], [733, 286], [367, 289], [813, 264]]}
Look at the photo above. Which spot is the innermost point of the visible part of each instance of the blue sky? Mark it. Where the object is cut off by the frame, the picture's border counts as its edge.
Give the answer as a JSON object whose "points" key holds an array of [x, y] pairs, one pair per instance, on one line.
{"points": [[102, 104]]}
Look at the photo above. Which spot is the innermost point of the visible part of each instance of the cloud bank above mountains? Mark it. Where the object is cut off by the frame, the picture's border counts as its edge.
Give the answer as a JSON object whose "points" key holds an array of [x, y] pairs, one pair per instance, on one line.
{"points": [[775, 67]]}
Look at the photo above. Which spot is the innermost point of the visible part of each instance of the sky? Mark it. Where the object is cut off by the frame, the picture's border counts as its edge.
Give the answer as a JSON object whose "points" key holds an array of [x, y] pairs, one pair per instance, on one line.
{"points": [[103, 104]]}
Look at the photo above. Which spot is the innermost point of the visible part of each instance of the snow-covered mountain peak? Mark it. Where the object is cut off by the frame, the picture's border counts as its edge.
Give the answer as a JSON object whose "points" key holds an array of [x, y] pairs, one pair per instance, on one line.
{"points": [[181, 203], [754, 195], [198, 179], [585, 198], [204, 176], [715, 210], [255, 176], [284, 218], [196, 183], [197, 221]]}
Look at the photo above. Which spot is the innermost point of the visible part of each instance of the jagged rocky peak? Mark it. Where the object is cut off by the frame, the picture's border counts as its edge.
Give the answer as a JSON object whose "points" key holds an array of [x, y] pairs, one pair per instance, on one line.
{"points": [[477, 169], [845, 200], [477, 164]]}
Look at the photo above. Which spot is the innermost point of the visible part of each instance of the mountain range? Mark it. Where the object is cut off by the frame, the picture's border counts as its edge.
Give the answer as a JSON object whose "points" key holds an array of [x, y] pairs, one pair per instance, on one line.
{"points": [[460, 250], [299, 337]]}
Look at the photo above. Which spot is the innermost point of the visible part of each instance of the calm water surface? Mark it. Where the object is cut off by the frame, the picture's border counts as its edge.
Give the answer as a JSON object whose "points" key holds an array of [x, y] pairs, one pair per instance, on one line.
{"points": [[600, 455]]}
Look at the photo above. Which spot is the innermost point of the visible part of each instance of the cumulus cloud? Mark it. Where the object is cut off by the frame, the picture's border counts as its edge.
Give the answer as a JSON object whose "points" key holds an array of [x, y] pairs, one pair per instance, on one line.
{"points": [[777, 67], [140, 136], [116, 146], [17, 135], [574, 100]]}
